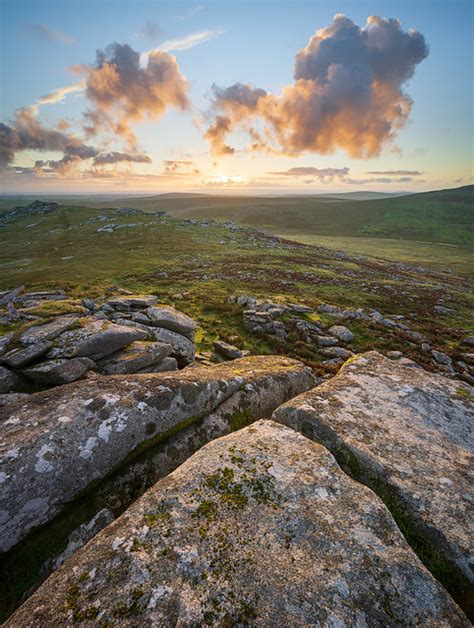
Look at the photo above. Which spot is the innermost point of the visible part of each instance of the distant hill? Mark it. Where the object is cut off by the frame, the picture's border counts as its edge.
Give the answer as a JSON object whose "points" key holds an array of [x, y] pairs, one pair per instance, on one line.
{"points": [[444, 216]]}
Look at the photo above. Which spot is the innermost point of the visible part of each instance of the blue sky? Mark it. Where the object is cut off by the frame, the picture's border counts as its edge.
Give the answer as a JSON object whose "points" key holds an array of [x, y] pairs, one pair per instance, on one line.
{"points": [[248, 42]]}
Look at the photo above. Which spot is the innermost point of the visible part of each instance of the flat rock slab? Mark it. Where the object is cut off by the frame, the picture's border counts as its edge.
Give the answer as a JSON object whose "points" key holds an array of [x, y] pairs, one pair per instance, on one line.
{"points": [[169, 318], [95, 339], [142, 300], [408, 434], [257, 528], [21, 357], [60, 371], [47, 331], [57, 443]]}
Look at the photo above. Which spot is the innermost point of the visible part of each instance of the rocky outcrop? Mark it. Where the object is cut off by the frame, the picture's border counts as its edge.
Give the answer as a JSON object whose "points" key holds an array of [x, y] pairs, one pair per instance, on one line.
{"points": [[123, 334], [409, 437], [58, 443], [258, 528]]}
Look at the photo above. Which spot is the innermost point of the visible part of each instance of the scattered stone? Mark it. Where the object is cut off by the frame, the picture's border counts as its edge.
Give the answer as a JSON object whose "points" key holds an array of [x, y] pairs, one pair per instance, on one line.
{"points": [[325, 308], [21, 357], [91, 427], [227, 350], [469, 340], [10, 295], [326, 341], [136, 357], [336, 352], [60, 371], [342, 333], [441, 358], [89, 304], [440, 309], [9, 381], [300, 309], [169, 318], [409, 439], [394, 355], [258, 528], [133, 301], [245, 301]]}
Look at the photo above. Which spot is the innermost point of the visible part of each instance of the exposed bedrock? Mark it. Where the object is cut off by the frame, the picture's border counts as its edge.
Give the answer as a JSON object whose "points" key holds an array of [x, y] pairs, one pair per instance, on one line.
{"points": [[407, 434], [57, 444], [260, 527]]}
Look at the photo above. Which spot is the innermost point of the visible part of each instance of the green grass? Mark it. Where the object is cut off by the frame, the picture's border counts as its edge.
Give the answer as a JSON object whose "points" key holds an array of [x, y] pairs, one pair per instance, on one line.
{"points": [[204, 265], [445, 216], [428, 254]]}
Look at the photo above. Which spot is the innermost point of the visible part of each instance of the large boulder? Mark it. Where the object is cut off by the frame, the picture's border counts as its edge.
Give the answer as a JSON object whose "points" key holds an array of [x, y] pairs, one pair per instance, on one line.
{"points": [[258, 528], [138, 356], [409, 437], [183, 349], [57, 443], [59, 371], [169, 318], [95, 339]]}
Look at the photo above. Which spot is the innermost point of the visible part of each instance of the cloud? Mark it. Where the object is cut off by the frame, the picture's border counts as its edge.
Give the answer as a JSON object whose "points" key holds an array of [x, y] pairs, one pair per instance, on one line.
{"points": [[116, 157], [47, 34], [190, 12], [182, 43], [323, 174], [123, 92], [179, 167], [377, 180], [347, 94], [28, 133], [394, 173], [58, 95]]}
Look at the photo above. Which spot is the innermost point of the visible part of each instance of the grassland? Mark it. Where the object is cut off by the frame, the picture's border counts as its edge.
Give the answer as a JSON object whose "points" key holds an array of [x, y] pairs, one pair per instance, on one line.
{"points": [[196, 266]]}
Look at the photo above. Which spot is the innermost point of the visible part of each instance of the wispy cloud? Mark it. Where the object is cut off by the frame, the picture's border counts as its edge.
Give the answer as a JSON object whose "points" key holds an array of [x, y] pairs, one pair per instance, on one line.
{"points": [[58, 95], [181, 43], [320, 173], [190, 12], [396, 173], [45, 33]]}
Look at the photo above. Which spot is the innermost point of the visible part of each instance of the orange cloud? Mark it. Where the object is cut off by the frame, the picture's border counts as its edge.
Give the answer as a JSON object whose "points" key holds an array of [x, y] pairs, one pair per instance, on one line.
{"points": [[347, 94], [123, 92]]}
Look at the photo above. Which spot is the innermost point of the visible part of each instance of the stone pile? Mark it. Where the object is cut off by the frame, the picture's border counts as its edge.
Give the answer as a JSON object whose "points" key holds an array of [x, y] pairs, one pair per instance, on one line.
{"points": [[265, 317], [36, 208], [122, 335]]}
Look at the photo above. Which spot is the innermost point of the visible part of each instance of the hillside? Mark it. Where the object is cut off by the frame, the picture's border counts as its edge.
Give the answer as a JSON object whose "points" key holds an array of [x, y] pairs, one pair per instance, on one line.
{"points": [[444, 216]]}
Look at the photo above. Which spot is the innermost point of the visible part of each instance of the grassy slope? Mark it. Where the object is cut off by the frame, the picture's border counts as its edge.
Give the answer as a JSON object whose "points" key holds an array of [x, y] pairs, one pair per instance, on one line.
{"points": [[442, 216], [206, 264]]}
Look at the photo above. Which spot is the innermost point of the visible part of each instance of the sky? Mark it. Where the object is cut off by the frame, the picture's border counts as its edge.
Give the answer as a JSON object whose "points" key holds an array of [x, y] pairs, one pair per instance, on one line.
{"points": [[262, 97]]}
